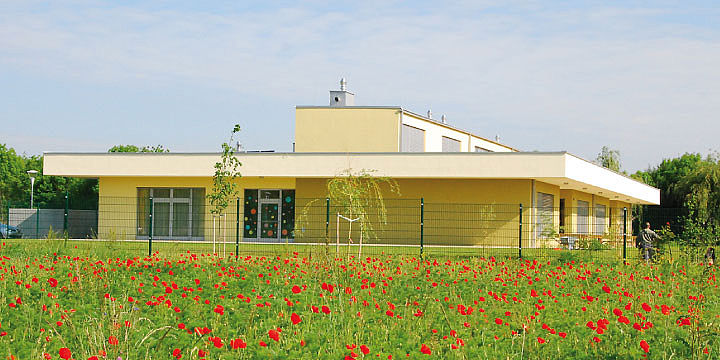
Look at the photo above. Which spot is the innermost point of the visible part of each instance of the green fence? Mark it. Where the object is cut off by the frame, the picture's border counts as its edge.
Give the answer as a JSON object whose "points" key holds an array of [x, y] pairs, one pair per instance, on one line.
{"points": [[184, 223]]}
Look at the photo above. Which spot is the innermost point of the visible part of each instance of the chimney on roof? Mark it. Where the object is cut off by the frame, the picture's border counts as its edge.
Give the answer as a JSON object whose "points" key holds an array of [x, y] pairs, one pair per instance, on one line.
{"points": [[443, 119], [429, 114], [342, 97]]}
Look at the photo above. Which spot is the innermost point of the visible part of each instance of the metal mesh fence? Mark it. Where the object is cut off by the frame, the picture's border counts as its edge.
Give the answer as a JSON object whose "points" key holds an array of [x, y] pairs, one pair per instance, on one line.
{"points": [[184, 223]]}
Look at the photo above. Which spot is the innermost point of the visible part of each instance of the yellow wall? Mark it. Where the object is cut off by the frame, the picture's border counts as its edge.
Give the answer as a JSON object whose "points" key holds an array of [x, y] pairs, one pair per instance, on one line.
{"points": [[117, 208], [481, 212], [460, 212], [347, 130]]}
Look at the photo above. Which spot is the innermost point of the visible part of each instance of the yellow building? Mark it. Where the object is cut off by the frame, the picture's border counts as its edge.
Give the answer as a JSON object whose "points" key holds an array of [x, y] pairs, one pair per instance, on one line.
{"points": [[472, 187]]}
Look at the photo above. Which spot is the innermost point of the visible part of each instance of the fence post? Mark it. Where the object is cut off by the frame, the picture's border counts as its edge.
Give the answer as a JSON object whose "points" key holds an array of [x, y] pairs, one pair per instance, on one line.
{"points": [[422, 226], [624, 234], [150, 231], [520, 223], [65, 218], [327, 217], [237, 228]]}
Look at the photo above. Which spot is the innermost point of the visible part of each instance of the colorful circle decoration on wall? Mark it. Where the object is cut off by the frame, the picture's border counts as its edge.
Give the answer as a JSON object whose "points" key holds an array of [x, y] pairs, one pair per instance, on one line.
{"points": [[247, 227], [288, 199], [253, 211], [270, 233], [284, 232]]}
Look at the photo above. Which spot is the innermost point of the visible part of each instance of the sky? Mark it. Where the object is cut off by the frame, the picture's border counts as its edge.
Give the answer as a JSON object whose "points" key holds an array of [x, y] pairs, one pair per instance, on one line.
{"points": [[641, 77]]}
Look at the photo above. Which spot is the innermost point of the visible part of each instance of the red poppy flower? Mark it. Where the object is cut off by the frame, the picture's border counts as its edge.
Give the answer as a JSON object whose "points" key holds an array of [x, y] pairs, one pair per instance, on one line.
{"points": [[644, 345], [295, 318], [325, 310], [273, 334], [65, 353], [238, 344], [425, 349], [646, 307], [365, 350], [498, 321], [562, 334], [296, 289], [219, 310], [541, 340], [53, 282], [177, 353], [112, 340]]}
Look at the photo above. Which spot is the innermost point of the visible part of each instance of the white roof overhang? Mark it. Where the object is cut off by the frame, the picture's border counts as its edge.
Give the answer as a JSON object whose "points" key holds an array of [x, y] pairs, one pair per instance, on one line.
{"points": [[559, 168]]}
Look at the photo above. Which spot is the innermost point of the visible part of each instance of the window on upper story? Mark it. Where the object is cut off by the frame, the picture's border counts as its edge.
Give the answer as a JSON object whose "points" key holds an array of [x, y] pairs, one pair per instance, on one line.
{"points": [[481, 149], [413, 139], [450, 144]]}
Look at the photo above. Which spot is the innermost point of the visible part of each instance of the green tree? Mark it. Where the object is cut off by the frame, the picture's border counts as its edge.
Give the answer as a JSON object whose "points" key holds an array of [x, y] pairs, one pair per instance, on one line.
{"points": [[227, 171], [360, 195], [135, 148], [609, 158], [668, 175], [701, 189], [49, 190]]}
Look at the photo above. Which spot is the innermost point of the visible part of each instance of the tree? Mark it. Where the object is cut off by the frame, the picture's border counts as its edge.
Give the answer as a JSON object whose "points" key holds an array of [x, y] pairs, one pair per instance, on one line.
{"points": [[668, 174], [227, 171], [609, 159], [134, 148], [360, 195], [49, 190], [701, 189]]}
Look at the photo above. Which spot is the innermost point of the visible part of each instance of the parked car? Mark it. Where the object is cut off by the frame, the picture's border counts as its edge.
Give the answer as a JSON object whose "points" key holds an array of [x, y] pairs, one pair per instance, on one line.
{"points": [[10, 232]]}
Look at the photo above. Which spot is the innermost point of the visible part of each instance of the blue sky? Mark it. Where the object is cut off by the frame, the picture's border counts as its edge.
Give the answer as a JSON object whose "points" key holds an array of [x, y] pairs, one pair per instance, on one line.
{"points": [[639, 77]]}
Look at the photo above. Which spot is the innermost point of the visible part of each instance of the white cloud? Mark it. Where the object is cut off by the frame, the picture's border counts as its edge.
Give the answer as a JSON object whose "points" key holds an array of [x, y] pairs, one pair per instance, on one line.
{"points": [[545, 79]]}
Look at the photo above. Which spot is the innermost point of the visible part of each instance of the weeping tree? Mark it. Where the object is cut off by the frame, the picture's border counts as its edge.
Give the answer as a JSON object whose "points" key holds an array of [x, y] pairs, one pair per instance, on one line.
{"points": [[225, 186], [702, 189], [358, 196]]}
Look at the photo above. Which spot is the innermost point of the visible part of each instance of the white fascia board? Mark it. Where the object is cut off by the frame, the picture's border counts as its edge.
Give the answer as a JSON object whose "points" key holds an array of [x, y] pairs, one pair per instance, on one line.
{"points": [[583, 171], [556, 168]]}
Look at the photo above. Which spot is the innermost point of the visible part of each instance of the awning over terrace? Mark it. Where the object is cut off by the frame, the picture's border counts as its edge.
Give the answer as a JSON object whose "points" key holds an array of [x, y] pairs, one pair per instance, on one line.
{"points": [[559, 168]]}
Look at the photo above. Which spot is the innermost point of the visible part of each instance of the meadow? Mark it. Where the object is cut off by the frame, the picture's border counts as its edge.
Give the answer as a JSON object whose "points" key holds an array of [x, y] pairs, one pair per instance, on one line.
{"points": [[64, 301]]}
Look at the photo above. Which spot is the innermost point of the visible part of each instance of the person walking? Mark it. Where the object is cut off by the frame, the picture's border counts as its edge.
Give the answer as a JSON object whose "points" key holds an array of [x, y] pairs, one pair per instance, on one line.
{"points": [[645, 241]]}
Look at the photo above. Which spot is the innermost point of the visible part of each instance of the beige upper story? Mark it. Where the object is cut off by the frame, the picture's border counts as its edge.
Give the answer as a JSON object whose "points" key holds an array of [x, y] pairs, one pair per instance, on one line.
{"points": [[343, 127]]}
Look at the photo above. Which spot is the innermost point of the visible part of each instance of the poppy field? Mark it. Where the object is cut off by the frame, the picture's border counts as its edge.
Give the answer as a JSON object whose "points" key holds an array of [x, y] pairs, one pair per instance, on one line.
{"points": [[60, 305]]}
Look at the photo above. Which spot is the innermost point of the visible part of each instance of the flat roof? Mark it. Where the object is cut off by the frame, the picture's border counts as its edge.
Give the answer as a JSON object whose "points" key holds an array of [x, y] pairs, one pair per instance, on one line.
{"points": [[565, 170]]}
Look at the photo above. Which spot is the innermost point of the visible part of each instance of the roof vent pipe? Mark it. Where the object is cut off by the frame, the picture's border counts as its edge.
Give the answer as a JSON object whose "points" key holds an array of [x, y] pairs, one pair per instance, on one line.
{"points": [[497, 138], [429, 115], [443, 119], [343, 84]]}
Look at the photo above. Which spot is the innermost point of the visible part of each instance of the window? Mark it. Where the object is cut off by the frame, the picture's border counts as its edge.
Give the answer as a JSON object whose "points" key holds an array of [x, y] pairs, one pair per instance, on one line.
{"points": [[583, 217], [450, 145], [481, 149], [178, 213], [413, 139], [544, 221], [600, 222]]}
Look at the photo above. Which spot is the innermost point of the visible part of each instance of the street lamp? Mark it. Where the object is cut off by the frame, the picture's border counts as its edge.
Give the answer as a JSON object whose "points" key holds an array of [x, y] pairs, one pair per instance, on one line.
{"points": [[32, 174]]}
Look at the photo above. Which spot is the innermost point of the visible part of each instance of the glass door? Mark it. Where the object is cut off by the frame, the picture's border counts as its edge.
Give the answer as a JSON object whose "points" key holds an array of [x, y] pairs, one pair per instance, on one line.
{"points": [[269, 204], [269, 219], [171, 213]]}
